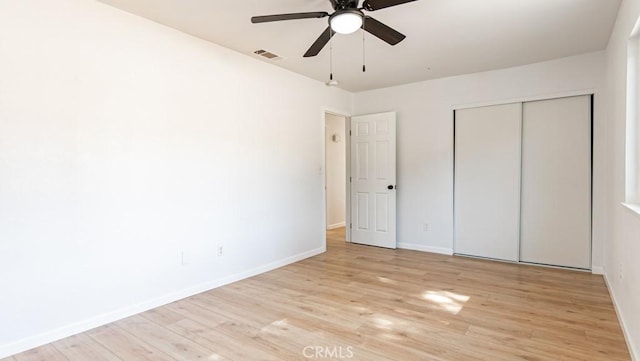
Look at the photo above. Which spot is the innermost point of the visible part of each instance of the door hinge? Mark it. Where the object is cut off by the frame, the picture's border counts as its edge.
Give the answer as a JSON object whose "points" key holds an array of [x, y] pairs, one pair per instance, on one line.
{"points": [[349, 133], [350, 180], [350, 226]]}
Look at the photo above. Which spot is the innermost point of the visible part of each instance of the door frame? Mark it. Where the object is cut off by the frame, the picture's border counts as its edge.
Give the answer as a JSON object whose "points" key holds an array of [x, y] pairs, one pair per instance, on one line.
{"points": [[347, 143]]}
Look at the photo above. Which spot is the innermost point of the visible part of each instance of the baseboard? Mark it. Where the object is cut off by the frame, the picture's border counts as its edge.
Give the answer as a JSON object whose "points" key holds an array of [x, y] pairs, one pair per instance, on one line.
{"points": [[423, 248], [597, 270], [336, 225], [635, 354], [82, 326]]}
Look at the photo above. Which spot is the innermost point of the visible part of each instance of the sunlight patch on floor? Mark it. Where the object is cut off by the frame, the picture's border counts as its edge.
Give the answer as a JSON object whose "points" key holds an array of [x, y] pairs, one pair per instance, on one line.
{"points": [[281, 323], [383, 323], [387, 280], [447, 301], [276, 327]]}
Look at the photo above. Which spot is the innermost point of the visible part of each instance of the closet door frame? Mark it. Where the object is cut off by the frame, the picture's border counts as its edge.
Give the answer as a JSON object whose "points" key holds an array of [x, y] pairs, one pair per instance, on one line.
{"points": [[588, 92]]}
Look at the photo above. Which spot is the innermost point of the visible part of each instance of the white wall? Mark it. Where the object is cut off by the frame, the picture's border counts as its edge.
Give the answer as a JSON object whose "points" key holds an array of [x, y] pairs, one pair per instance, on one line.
{"points": [[425, 137], [124, 145], [336, 170], [623, 236]]}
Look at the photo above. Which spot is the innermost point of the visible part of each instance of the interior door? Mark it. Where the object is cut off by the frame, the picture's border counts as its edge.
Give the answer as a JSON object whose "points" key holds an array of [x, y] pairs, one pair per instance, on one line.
{"points": [[373, 180], [556, 182], [487, 181]]}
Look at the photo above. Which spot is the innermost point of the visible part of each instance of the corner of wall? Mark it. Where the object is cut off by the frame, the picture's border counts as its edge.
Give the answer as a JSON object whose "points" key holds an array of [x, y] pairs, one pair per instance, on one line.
{"points": [[597, 270]]}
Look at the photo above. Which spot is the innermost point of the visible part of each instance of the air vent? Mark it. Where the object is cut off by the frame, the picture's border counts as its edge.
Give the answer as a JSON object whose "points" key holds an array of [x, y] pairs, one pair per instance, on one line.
{"points": [[267, 54]]}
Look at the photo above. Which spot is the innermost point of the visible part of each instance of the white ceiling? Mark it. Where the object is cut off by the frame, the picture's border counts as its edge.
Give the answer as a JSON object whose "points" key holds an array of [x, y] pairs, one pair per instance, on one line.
{"points": [[444, 37]]}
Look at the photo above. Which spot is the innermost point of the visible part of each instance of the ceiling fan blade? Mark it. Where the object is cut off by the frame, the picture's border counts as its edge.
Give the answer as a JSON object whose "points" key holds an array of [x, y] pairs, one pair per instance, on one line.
{"points": [[382, 31], [373, 5], [322, 40], [294, 16]]}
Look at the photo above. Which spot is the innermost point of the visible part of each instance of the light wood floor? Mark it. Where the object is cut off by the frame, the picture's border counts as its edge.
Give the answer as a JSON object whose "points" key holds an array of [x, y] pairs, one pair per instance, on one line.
{"points": [[372, 304]]}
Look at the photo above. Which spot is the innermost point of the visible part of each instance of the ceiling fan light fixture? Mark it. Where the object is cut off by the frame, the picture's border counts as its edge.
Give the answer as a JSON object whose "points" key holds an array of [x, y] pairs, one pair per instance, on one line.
{"points": [[346, 22]]}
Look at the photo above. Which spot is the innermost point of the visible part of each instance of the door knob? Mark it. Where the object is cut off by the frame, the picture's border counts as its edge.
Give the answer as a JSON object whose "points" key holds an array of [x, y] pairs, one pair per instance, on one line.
{"points": [[390, 186]]}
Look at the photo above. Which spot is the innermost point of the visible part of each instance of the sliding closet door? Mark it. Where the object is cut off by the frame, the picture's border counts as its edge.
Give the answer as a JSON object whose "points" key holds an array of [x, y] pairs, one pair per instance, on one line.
{"points": [[487, 181], [556, 182]]}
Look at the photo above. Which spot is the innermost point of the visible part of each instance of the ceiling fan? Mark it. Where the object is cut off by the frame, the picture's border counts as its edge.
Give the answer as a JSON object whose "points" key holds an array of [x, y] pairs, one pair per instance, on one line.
{"points": [[346, 19]]}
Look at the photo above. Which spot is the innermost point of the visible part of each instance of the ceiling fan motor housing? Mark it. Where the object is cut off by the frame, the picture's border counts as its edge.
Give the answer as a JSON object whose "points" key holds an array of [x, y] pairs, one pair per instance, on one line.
{"points": [[354, 23], [344, 4]]}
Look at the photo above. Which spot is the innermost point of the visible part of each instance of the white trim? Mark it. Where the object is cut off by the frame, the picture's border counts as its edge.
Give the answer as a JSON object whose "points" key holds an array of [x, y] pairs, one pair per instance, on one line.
{"points": [[526, 99], [347, 178], [632, 122], [337, 225], [91, 323], [597, 270], [423, 248], [632, 207], [635, 354], [323, 173], [347, 116]]}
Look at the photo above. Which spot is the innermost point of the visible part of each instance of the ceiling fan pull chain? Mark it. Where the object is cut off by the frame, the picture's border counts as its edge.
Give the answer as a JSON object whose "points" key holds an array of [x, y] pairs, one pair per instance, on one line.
{"points": [[330, 54], [364, 67]]}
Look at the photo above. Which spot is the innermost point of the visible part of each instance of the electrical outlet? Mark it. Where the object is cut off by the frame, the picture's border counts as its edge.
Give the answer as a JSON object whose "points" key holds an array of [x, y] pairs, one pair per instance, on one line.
{"points": [[220, 251], [425, 227]]}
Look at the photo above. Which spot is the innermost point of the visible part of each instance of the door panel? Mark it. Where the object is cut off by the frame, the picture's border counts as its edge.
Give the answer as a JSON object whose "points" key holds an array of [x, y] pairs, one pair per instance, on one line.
{"points": [[487, 181], [373, 166], [382, 212], [556, 182], [382, 160], [362, 161], [363, 211]]}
